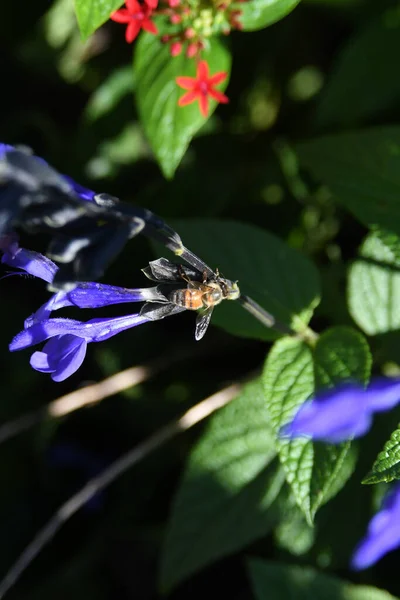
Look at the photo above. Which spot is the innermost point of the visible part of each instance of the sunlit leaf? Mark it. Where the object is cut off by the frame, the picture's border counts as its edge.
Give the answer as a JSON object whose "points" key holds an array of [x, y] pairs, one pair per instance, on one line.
{"points": [[261, 13], [169, 127], [374, 285], [274, 581], [229, 485], [91, 14], [292, 374]]}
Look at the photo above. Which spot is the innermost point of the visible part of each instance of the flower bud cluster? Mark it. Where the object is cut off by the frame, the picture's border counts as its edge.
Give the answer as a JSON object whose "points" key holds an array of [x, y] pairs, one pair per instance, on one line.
{"points": [[190, 23]]}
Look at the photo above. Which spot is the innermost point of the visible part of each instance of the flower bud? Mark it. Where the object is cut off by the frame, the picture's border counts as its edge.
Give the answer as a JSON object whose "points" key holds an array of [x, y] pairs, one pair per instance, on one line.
{"points": [[176, 48], [189, 33], [175, 19], [192, 50]]}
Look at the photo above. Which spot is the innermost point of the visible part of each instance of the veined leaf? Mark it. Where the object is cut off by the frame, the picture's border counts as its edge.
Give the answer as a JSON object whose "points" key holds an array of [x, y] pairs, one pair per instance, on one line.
{"points": [[374, 284], [292, 374], [261, 13], [91, 14], [387, 464], [170, 127], [229, 485], [362, 169], [274, 581]]}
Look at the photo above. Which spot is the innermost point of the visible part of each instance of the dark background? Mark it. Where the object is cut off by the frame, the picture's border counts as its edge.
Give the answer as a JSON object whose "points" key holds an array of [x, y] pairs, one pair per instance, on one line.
{"points": [[240, 167]]}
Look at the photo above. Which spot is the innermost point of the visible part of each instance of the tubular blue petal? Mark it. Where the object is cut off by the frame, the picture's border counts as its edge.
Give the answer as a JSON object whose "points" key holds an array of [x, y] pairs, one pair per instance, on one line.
{"points": [[334, 415], [95, 330], [82, 192], [383, 533], [5, 148], [383, 394], [31, 262], [96, 295], [344, 412]]}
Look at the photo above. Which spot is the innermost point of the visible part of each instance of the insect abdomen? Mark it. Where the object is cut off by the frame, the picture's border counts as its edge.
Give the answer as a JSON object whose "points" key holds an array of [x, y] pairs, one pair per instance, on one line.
{"points": [[189, 299]]}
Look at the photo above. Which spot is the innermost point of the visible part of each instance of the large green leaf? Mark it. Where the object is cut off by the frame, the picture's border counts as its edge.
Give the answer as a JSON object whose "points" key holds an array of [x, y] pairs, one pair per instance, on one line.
{"points": [[292, 374], [363, 171], [168, 126], [371, 55], [274, 581], [374, 285], [91, 14], [279, 278], [387, 464], [261, 13], [227, 488]]}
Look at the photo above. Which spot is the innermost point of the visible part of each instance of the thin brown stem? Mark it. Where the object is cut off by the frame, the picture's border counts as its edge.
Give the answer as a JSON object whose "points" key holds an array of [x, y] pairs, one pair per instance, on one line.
{"points": [[193, 416]]}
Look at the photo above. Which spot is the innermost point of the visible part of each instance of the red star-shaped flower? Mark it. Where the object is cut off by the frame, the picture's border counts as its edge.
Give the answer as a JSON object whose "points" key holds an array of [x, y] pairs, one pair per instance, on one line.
{"points": [[137, 17], [201, 87]]}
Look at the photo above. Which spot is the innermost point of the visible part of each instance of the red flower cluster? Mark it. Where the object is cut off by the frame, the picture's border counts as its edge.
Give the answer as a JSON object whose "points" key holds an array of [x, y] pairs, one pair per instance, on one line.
{"points": [[194, 24], [202, 87], [137, 17]]}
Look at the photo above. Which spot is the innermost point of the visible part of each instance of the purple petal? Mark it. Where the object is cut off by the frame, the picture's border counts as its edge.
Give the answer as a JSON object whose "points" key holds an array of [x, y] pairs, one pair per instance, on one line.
{"points": [[383, 533], [334, 415], [95, 295], [61, 356], [344, 412], [95, 330], [383, 394], [82, 192], [57, 301], [5, 148], [31, 262]]}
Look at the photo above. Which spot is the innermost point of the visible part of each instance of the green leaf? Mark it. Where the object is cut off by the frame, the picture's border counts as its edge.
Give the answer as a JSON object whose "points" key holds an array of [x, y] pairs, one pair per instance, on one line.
{"points": [[371, 55], [109, 93], [387, 464], [261, 13], [279, 278], [274, 581], [91, 14], [374, 285], [168, 126], [293, 533], [362, 169], [291, 375], [227, 488]]}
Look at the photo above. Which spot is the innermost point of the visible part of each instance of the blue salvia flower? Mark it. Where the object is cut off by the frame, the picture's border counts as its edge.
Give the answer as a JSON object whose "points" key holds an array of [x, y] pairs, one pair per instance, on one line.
{"points": [[87, 229], [346, 412], [67, 342], [67, 339], [343, 412], [383, 533]]}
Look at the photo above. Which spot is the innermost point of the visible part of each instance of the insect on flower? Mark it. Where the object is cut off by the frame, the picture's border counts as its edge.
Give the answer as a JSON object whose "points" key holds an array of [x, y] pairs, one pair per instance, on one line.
{"points": [[202, 292]]}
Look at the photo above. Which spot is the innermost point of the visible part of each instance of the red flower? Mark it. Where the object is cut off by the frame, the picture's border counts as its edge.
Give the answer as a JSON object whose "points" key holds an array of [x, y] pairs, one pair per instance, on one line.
{"points": [[137, 17], [201, 87]]}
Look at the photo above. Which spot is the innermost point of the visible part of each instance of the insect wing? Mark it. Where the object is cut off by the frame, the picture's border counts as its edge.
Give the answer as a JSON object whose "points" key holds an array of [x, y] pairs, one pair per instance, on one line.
{"points": [[166, 271], [155, 311], [202, 323]]}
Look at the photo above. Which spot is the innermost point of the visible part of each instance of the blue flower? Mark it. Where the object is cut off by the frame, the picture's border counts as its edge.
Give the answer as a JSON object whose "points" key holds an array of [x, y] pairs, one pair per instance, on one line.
{"points": [[82, 192], [383, 533], [65, 351], [343, 412], [5, 148]]}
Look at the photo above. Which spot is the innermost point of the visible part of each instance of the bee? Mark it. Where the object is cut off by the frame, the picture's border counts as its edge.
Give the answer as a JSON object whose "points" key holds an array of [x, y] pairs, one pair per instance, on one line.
{"points": [[203, 296], [202, 292]]}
